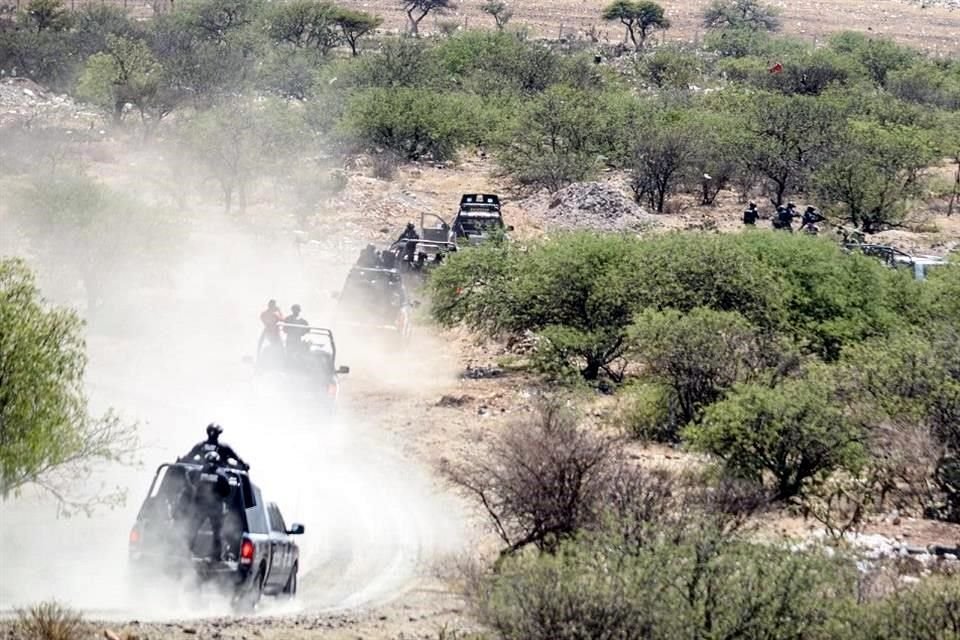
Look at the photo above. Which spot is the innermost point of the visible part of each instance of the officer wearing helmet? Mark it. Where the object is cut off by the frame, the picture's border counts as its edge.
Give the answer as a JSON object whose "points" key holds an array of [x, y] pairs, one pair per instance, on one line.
{"points": [[209, 489], [213, 445]]}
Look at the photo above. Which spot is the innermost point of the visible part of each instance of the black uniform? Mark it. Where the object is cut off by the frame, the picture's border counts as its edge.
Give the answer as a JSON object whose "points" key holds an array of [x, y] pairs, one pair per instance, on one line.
{"points": [[409, 233], [210, 489], [810, 218], [750, 215], [784, 219], [224, 450]]}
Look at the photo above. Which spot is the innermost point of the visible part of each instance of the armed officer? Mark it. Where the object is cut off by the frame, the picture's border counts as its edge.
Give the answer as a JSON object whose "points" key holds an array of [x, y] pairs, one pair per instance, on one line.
{"points": [[750, 214], [209, 490], [810, 218], [212, 444]]}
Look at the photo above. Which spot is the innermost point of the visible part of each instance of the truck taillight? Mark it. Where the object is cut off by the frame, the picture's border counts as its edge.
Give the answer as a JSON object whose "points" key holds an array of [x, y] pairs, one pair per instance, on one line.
{"points": [[134, 536], [246, 552]]}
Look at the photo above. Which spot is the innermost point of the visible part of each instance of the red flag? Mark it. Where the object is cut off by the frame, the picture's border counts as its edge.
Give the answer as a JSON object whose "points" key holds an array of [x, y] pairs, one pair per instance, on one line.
{"points": [[777, 68]]}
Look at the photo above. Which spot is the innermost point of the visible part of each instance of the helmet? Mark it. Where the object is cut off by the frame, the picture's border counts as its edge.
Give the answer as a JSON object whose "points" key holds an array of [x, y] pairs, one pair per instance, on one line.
{"points": [[752, 203], [214, 430], [295, 308], [211, 457], [790, 204], [410, 225], [810, 208], [272, 304]]}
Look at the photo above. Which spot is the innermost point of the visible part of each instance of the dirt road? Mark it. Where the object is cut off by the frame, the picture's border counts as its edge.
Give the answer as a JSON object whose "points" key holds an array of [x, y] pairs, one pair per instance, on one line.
{"points": [[376, 518]]}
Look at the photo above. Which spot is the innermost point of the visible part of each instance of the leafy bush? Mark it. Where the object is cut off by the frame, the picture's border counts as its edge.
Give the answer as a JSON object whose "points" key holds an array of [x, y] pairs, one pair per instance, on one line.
{"points": [[414, 123], [684, 271], [670, 68], [879, 56], [45, 56], [126, 72], [796, 431], [575, 288], [737, 43], [876, 172], [697, 355], [556, 139], [47, 428], [649, 412], [909, 389], [927, 83], [304, 24], [928, 611], [485, 63], [824, 298], [289, 74], [404, 62], [810, 73], [741, 14], [792, 136], [699, 584]]}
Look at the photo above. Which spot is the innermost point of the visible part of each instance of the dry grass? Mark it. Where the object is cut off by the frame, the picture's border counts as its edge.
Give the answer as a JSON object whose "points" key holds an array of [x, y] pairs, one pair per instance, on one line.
{"points": [[50, 621]]}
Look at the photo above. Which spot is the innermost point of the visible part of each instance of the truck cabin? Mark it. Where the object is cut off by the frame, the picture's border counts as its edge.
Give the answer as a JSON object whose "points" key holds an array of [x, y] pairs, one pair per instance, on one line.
{"points": [[163, 523], [478, 215]]}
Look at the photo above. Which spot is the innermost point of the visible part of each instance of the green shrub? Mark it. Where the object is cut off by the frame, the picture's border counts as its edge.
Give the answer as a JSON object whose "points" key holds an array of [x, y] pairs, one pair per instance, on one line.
{"points": [[741, 14], [649, 412], [796, 431], [414, 123], [825, 299], [698, 584], [737, 43], [574, 287], [927, 83], [698, 355], [928, 611], [879, 56], [556, 139], [809, 73], [875, 174], [670, 67], [684, 271]]}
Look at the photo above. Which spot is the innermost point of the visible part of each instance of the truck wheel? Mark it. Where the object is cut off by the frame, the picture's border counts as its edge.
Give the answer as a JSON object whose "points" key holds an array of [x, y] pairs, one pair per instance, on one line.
{"points": [[246, 601], [291, 589]]}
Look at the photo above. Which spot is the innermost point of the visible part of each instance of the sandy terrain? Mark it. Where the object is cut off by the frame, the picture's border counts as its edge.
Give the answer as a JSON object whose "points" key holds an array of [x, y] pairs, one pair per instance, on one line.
{"points": [[932, 25]]}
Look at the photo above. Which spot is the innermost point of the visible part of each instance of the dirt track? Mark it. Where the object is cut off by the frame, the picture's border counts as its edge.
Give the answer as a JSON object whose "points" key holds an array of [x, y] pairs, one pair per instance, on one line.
{"points": [[377, 520]]}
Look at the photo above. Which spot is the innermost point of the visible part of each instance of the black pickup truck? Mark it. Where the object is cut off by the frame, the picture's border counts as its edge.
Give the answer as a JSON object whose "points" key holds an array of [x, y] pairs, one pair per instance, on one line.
{"points": [[258, 554]]}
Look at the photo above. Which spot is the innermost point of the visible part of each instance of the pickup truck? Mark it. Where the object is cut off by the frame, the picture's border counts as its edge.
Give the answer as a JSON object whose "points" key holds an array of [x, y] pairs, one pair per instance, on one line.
{"points": [[259, 555]]}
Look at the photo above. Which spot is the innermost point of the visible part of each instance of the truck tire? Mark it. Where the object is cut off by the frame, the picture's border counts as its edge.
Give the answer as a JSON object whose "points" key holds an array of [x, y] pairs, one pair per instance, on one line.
{"points": [[246, 601], [290, 590]]}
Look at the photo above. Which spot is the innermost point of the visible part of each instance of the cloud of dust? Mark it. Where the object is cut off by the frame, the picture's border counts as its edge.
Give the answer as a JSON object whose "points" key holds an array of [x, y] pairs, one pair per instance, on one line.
{"points": [[372, 517]]}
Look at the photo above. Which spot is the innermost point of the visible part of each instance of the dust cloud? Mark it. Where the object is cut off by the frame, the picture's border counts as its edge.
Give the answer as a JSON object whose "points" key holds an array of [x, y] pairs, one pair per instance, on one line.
{"points": [[173, 362]]}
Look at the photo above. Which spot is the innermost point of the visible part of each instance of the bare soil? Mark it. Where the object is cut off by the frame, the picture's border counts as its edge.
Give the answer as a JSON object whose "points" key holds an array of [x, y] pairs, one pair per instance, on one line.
{"points": [[930, 25]]}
